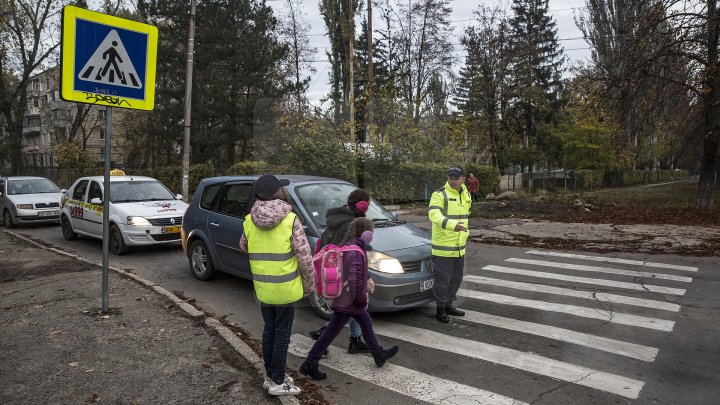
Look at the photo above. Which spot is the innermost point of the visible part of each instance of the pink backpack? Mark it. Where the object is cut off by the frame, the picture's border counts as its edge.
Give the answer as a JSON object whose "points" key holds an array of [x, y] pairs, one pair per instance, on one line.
{"points": [[328, 269]]}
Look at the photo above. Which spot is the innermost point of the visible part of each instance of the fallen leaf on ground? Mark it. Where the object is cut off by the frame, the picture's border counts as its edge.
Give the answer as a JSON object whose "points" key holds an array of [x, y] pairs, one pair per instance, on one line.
{"points": [[90, 371], [56, 332], [105, 317], [93, 399], [74, 364]]}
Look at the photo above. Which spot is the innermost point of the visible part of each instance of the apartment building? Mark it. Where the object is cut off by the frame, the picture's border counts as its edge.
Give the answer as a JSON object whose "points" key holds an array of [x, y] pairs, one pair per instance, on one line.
{"points": [[49, 120]]}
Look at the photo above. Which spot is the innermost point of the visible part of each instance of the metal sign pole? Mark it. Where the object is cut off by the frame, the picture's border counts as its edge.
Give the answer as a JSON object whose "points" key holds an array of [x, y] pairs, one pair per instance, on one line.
{"points": [[106, 208]]}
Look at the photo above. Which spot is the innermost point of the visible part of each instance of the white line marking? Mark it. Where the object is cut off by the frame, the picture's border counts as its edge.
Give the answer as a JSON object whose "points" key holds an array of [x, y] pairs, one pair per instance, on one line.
{"points": [[613, 260], [585, 312], [533, 363], [640, 352], [586, 280], [598, 269], [411, 383], [547, 289]]}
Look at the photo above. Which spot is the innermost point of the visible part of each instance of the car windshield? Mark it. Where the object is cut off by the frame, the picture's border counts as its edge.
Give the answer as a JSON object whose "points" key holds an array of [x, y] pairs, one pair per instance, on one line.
{"points": [[134, 191], [31, 186], [319, 198]]}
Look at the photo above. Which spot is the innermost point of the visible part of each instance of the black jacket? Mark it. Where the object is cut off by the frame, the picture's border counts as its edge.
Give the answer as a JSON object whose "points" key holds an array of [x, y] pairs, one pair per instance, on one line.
{"points": [[337, 220]]}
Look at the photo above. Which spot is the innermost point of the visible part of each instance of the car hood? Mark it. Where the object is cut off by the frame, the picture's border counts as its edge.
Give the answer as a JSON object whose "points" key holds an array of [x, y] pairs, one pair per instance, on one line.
{"points": [[35, 198], [399, 237], [151, 209]]}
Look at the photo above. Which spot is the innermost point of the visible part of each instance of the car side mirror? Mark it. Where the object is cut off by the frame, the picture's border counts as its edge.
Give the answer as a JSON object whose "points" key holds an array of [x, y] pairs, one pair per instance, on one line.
{"points": [[63, 190], [96, 201], [178, 196]]}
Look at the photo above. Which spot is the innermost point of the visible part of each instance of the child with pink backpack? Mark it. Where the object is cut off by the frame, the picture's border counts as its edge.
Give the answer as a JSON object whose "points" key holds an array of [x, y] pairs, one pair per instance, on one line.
{"points": [[352, 300]]}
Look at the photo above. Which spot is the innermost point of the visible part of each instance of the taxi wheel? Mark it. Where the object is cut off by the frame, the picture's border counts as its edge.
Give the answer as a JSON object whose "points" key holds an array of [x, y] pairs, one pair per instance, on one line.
{"points": [[7, 218], [117, 244], [321, 306], [67, 230], [200, 261]]}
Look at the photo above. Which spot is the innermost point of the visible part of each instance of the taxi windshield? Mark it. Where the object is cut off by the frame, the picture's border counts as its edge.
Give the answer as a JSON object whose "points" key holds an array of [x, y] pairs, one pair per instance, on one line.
{"points": [[319, 198], [31, 186], [136, 191]]}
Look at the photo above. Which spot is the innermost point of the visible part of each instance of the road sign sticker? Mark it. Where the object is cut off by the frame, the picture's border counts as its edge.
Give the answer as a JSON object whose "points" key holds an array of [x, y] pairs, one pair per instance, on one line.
{"points": [[110, 64]]}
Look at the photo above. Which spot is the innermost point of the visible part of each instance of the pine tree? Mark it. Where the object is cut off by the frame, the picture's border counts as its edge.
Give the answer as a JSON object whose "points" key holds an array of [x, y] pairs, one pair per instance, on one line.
{"points": [[535, 68]]}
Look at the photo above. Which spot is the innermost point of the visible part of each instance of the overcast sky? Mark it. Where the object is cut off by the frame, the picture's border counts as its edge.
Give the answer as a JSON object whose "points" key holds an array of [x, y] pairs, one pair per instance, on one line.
{"points": [[562, 10]]}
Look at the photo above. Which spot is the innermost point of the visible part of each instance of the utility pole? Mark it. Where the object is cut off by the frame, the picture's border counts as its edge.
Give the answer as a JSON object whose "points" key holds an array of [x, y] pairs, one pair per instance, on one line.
{"points": [[371, 77], [351, 62], [188, 106]]}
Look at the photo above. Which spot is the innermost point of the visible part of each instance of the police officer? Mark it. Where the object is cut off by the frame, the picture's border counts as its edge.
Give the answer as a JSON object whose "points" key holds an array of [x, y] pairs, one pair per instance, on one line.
{"points": [[449, 211]]}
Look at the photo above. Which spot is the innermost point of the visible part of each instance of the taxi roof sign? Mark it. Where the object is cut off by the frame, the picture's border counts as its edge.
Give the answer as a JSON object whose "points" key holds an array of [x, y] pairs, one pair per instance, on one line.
{"points": [[107, 60], [117, 172]]}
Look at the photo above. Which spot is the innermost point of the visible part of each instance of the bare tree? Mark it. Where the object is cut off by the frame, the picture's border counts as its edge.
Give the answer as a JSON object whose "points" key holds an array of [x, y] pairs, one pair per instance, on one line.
{"points": [[29, 36], [641, 45], [293, 29]]}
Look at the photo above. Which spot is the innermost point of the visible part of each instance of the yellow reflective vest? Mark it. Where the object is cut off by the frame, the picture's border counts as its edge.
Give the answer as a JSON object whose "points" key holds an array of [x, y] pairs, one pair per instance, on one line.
{"points": [[447, 208], [274, 266]]}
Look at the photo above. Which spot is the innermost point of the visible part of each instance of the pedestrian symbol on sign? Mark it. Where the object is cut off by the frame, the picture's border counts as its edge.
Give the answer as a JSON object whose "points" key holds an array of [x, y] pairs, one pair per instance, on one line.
{"points": [[110, 64]]}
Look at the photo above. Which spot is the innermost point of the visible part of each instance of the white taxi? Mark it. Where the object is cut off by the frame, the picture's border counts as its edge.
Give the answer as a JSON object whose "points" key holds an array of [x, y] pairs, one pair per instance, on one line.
{"points": [[142, 211]]}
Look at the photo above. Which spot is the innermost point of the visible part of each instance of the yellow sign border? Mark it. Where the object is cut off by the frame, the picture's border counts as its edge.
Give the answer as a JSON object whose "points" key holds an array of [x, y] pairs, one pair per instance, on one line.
{"points": [[67, 63]]}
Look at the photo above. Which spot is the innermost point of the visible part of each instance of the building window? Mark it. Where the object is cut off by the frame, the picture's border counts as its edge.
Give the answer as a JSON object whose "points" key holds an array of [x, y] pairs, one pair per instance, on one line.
{"points": [[36, 103], [102, 154], [101, 116], [102, 134]]}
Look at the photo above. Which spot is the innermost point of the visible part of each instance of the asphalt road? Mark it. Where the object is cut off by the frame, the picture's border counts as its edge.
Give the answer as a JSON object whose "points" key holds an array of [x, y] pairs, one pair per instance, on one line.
{"points": [[539, 328]]}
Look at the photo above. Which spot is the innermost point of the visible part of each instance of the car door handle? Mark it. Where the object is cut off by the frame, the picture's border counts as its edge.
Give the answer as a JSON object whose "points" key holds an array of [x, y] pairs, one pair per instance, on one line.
{"points": [[214, 224]]}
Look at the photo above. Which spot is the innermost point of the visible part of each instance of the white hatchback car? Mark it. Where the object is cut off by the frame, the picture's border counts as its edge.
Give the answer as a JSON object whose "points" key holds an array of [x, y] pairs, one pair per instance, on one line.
{"points": [[29, 200], [142, 211]]}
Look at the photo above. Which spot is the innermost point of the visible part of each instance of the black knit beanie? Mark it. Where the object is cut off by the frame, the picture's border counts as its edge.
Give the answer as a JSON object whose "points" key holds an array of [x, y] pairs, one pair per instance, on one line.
{"points": [[357, 195]]}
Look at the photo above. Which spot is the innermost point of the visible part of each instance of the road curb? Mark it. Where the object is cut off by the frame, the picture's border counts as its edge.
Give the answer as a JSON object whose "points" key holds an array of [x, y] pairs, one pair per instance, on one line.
{"points": [[229, 336]]}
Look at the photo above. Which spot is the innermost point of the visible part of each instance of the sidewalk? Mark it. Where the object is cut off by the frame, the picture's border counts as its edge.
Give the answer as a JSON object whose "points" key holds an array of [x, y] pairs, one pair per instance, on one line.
{"points": [[58, 349], [667, 239]]}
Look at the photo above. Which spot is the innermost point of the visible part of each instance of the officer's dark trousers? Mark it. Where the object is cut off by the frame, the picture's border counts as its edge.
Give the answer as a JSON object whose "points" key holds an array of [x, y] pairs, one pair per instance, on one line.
{"points": [[448, 276]]}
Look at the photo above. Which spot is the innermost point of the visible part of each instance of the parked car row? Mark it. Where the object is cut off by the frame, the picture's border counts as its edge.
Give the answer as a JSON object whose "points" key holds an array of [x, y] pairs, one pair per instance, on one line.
{"points": [[145, 212]]}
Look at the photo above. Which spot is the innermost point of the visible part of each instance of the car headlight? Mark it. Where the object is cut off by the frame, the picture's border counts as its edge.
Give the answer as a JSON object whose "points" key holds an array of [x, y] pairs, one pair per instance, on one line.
{"points": [[384, 263], [138, 221], [25, 206]]}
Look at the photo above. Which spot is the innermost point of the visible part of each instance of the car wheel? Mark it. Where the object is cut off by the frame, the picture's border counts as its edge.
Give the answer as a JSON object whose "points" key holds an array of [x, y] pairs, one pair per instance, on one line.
{"points": [[7, 218], [321, 306], [67, 230], [200, 261], [117, 243]]}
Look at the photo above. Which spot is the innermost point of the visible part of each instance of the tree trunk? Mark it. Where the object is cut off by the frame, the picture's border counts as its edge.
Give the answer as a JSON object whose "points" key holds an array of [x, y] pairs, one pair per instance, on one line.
{"points": [[711, 113]]}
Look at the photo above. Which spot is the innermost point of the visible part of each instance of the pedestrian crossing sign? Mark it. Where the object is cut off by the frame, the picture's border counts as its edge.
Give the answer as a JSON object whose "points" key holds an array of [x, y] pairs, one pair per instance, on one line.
{"points": [[107, 60]]}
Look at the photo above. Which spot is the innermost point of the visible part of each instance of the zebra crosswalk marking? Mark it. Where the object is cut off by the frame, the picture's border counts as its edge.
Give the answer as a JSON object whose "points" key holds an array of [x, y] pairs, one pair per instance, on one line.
{"points": [[585, 312], [597, 269], [614, 260], [411, 383], [627, 349], [547, 289], [616, 384], [587, 280]]}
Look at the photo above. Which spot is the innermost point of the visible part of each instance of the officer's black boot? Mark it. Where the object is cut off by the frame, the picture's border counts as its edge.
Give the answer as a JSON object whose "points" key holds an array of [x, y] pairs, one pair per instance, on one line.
{"points": [[357, 345], [451, 310], [442, 314]]}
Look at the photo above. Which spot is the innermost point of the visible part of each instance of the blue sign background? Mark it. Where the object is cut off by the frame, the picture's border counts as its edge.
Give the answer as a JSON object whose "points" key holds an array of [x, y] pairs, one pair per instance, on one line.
{"points": [[88, 36]]}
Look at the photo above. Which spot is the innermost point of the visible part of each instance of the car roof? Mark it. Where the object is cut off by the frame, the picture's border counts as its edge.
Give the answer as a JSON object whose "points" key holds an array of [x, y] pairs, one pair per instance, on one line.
{"points": [[24, 177], [294, 179], [119, 178]]}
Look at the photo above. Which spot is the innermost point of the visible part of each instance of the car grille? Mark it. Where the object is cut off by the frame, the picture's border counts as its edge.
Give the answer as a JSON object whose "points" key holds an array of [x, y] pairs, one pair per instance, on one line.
{"points": [[47, 205], [412, 267], [164, 237], [410, 298], [165, 221]]}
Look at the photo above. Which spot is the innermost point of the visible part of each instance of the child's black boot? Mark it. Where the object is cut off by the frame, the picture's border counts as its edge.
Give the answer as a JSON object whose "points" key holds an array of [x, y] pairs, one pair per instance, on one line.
{"points": [[382, 355], [312, 371]]}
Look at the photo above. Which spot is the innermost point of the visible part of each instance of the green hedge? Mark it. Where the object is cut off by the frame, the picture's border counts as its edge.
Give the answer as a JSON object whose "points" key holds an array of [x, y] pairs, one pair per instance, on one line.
{"points": [[590, 179]]}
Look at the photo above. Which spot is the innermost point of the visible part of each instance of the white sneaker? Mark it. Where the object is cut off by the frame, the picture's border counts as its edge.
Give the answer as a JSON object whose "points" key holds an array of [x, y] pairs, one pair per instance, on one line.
{"points": [[268, 382], [284, 389]]}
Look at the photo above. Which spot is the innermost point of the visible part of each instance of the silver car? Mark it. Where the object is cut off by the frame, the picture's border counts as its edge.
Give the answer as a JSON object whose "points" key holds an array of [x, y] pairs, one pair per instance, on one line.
{"points": [[29, 200]]}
